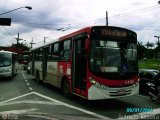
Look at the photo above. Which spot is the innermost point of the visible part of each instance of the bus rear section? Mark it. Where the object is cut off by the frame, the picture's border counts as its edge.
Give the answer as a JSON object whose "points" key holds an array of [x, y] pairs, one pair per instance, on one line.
{"points": [[8, 64]]}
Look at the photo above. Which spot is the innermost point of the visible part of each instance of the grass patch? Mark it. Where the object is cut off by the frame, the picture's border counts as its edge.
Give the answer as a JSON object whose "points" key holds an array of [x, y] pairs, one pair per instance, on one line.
{"points": [[148, 64]]}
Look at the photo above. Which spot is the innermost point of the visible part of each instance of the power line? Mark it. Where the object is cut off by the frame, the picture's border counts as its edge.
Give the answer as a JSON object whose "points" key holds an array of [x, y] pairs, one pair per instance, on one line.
{"points": [[39, 23], [43, 26], [135, 11], [5, 34], [8, 32], [128, 13], [131, 12]]}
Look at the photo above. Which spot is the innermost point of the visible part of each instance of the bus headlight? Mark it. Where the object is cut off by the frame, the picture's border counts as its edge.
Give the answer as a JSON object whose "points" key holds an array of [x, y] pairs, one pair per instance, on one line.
{"points": [[7, 70], [97, 84], [92, 80], [137, 83]]}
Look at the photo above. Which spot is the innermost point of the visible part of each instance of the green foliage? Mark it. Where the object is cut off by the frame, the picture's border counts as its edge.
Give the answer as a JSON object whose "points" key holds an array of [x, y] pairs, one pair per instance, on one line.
{"points": [[147, 50], [20, 45], [149, 64]]}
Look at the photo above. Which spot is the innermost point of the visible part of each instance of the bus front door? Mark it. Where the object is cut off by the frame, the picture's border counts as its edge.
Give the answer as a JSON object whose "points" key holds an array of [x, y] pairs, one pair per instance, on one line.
{"points": [[79, 67]]}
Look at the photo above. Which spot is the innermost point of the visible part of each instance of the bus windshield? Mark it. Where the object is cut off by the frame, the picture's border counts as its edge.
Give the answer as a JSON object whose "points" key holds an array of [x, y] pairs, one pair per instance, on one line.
{"points": [[113, 56], [5, 59]]}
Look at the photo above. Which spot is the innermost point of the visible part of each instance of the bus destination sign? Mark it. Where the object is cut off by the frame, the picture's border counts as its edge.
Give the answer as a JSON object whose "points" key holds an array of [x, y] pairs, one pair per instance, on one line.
{"points": [[109, 32]]}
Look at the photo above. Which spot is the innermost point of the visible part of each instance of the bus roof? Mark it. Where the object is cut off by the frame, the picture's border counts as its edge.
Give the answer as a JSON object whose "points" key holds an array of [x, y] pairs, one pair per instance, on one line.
{"points": [[45, 44], [3, 51], [63, 37], [86, 29]]}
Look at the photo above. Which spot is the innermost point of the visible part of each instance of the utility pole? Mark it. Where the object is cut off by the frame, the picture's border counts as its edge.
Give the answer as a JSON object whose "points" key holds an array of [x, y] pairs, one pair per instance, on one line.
{"points": [[32, 43], [158, 51], [18, 39], [45, 39], [106, 18]]}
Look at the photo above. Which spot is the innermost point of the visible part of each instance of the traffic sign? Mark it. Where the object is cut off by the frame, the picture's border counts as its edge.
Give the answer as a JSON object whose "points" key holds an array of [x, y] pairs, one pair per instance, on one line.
{"points": [[5, 21]]}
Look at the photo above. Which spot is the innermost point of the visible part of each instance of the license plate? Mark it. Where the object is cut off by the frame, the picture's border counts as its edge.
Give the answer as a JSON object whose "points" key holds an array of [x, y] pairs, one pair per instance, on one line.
{"points": [[121, 92]]}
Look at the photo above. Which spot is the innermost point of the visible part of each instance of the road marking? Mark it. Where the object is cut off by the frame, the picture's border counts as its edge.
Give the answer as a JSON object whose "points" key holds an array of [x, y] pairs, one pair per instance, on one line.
{"points": [[59, 103], [16, 98], [30, 102], [42, 117], [73, 107], [24, 75], [19, 111], [30, 88]]}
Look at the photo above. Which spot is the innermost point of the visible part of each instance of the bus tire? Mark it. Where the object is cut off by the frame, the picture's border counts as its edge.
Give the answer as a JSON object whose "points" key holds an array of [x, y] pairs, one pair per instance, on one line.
{"points": [[38, 78], [66, 88], [13, 74], [16, 72]]}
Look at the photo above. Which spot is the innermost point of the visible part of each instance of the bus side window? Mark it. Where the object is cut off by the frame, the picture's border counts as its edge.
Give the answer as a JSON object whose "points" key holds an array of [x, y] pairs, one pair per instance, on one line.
{"points": [[50, 52], [40, 54], [66, 50], [56, 52]]}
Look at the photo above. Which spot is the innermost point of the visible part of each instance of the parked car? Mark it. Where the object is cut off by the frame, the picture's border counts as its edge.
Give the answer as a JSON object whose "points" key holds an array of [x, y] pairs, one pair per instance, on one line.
{"points": [[146, 75], [153, 92]]}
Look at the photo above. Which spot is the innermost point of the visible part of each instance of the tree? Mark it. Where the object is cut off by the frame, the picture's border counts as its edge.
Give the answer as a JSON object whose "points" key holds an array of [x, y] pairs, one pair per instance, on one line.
{"points": [[141, 50], [20, 45], [149, 45]]}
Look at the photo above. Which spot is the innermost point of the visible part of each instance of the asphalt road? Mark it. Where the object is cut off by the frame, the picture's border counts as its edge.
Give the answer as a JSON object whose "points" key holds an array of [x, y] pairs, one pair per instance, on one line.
{"points": [[23, 98]]}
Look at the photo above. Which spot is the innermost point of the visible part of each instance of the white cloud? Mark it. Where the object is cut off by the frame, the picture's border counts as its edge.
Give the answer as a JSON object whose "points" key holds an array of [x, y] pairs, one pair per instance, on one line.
{"points": [[56, 14]]}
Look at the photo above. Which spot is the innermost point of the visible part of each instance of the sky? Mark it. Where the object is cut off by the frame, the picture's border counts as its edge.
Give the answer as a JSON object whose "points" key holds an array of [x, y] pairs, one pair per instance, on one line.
{"points": [[50, 19]]}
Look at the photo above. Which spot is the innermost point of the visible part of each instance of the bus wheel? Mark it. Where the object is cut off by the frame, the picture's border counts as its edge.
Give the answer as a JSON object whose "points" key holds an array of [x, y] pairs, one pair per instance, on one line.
{"points": [[38, 78], [66, 88], [13, 74]]}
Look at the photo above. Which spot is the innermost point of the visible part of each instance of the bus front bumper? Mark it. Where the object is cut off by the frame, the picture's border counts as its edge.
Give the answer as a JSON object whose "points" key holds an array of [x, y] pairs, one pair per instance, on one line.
{"points": [[95, 93], [6, 74]]}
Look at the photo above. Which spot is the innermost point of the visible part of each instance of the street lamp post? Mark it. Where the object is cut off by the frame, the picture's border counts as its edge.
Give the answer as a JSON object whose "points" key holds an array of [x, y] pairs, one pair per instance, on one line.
{"points": [[28, 7], [158, 50]]}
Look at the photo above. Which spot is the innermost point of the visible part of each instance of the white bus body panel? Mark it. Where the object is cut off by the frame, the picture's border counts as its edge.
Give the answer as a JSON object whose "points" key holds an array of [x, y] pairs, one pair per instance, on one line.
{"points": [[6, 71]]}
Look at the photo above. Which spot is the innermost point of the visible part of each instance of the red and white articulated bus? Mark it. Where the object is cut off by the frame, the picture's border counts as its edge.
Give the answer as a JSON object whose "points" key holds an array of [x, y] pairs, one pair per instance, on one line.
{"points": [[97, 62]]}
